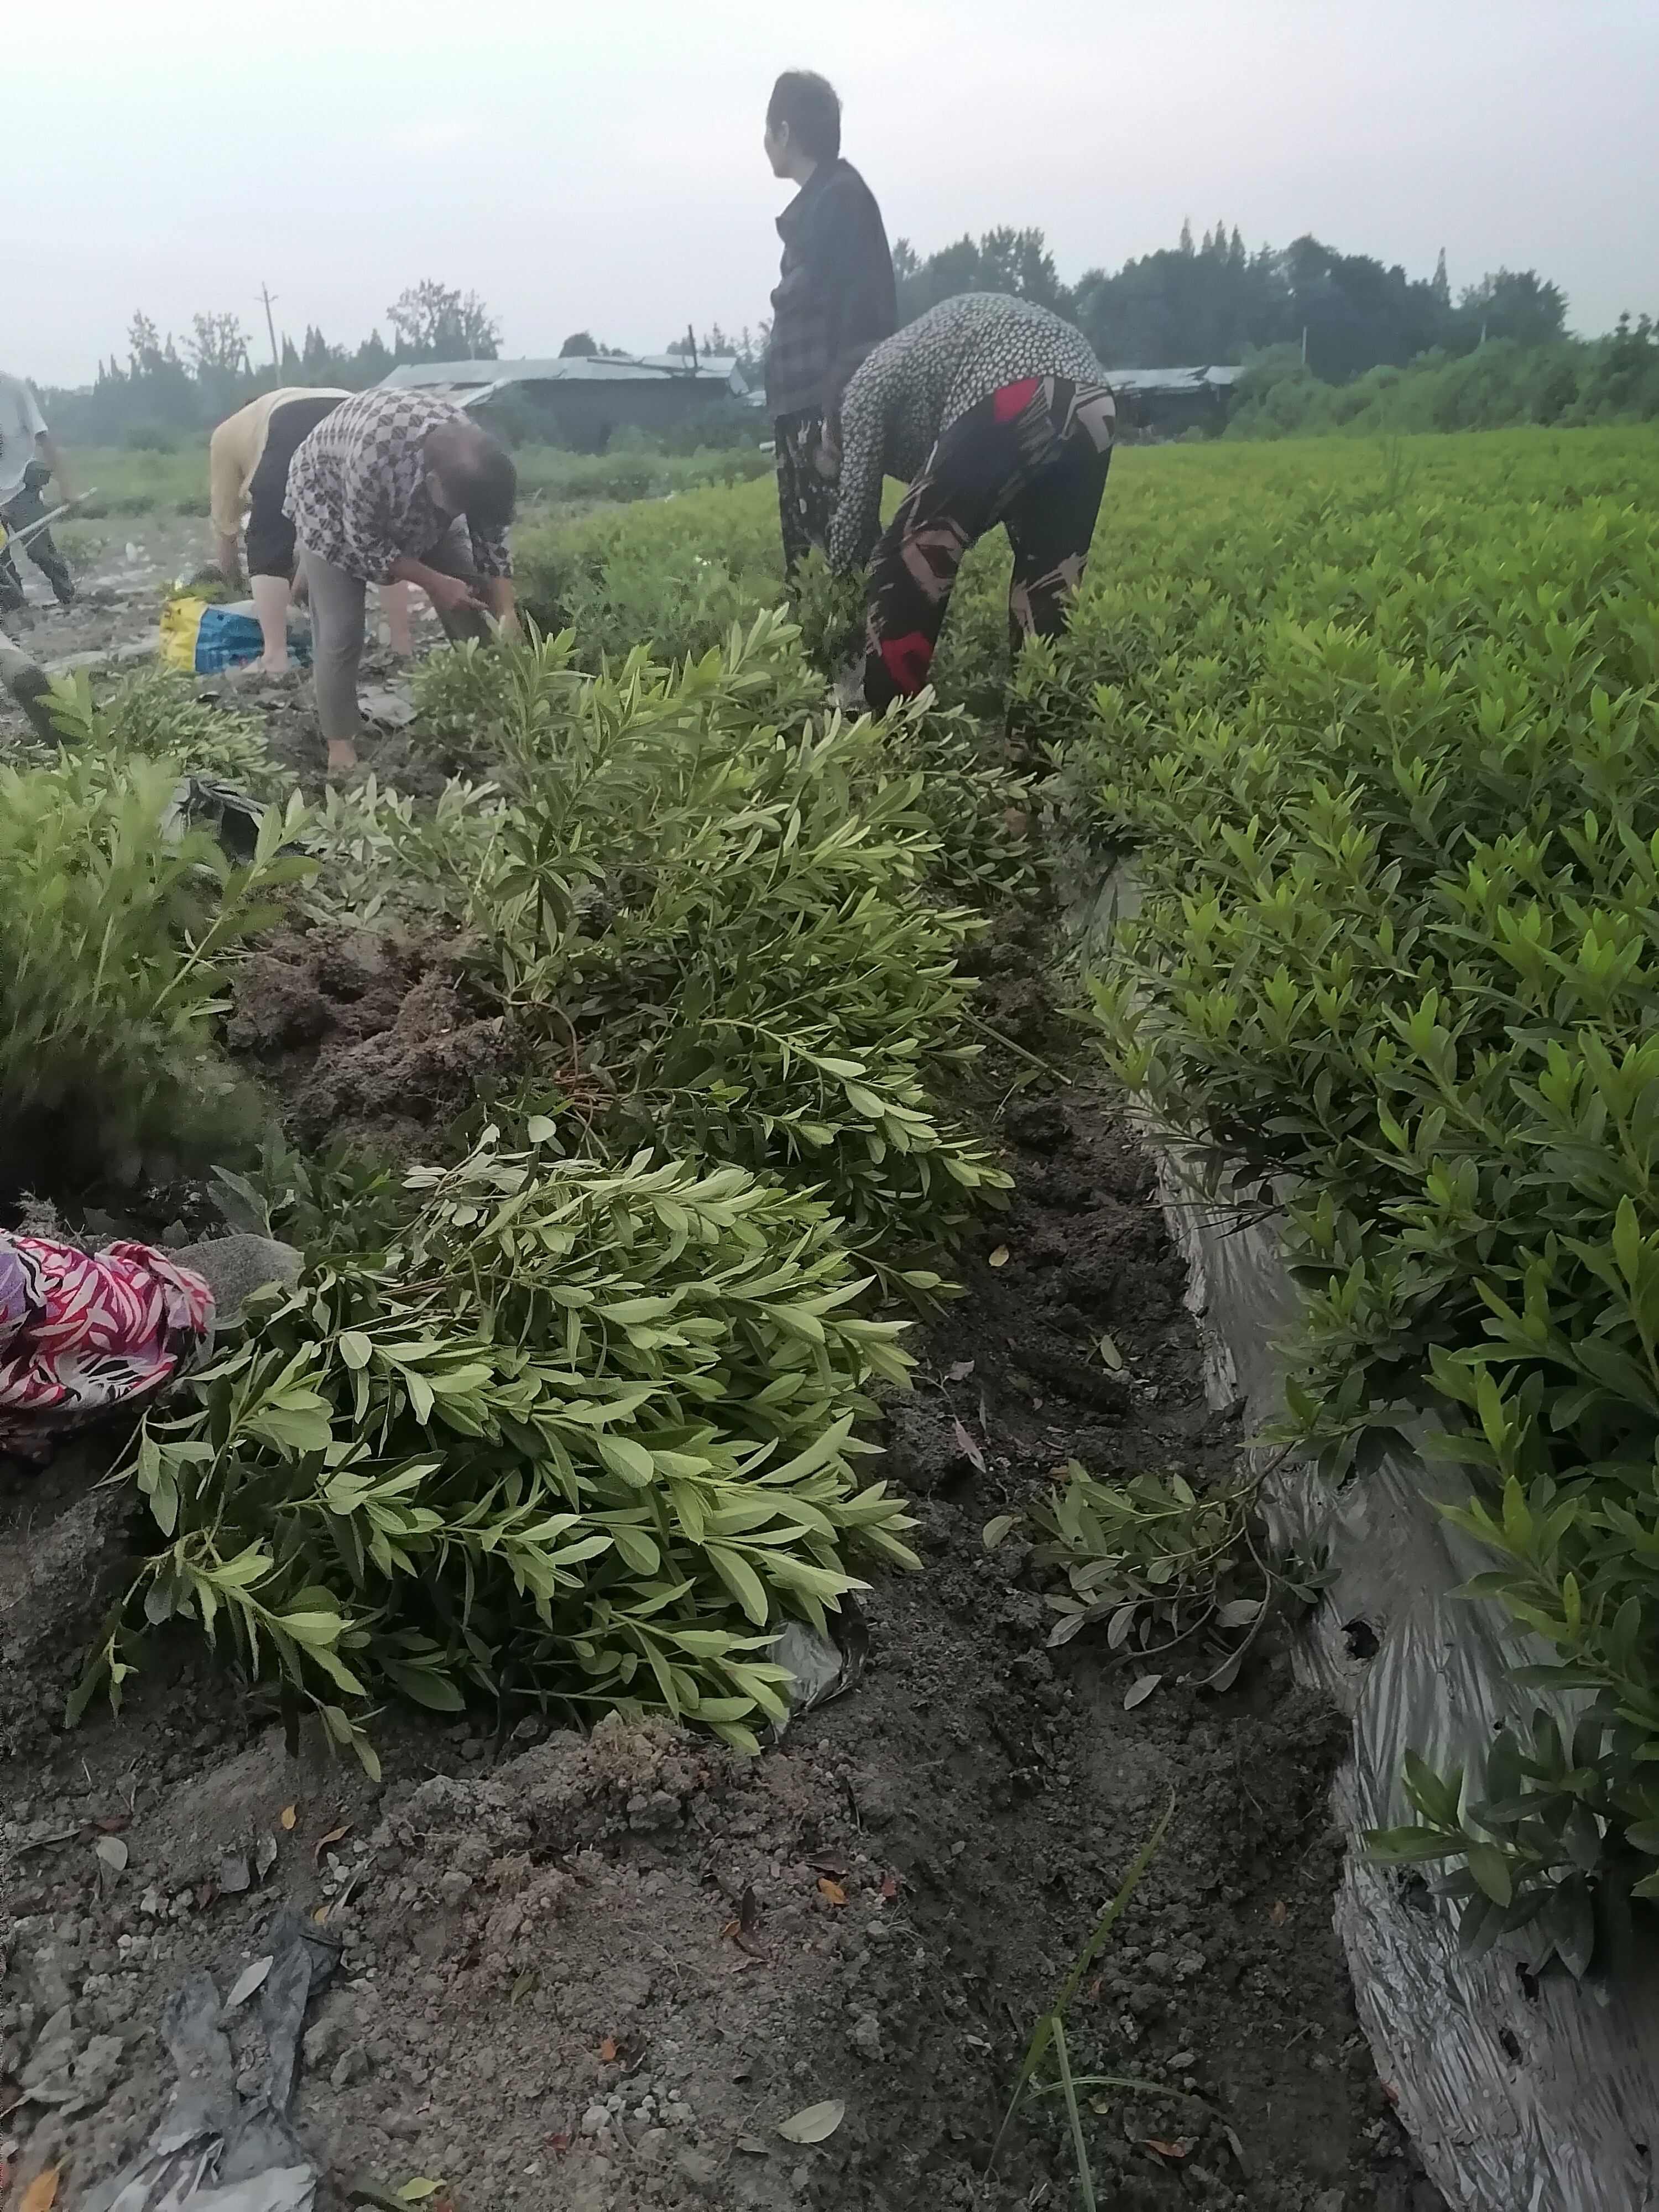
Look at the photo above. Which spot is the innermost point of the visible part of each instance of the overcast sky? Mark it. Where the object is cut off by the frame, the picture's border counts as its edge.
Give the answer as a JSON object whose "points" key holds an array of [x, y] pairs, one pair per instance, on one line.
{"points": [[586, 165]]}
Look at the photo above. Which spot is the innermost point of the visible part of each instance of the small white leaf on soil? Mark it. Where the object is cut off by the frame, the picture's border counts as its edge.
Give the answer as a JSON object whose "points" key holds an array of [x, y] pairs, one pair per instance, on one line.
{"points": [[816, 2124], [1111, 1355], [417, 2191], [113, 1852], [997, 1529], [264, 1855], [247, 1981], [1140, 1690], [967, 1447], [999, 1258], [960, 1372]]}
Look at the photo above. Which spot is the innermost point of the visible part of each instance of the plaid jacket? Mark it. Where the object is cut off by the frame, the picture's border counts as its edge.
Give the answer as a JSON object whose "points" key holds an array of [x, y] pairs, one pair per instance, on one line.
{"points": [[357, 490], [834, 298]]}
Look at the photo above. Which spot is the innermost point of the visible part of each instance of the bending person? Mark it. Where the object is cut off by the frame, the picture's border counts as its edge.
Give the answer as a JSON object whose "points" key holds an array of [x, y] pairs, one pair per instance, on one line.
{"points": [[995, 411], [248, 459], [396, 487]]}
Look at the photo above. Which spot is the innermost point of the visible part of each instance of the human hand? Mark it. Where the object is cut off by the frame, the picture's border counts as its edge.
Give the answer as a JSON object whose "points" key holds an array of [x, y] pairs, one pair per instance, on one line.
{"points": [[453, 595]]}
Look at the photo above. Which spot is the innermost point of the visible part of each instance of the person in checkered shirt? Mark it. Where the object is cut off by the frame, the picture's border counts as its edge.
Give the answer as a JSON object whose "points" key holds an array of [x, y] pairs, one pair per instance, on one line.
{"points": [[396, 487]]}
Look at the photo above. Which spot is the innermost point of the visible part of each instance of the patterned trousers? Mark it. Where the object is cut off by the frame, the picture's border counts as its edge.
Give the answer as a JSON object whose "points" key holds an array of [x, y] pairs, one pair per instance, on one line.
{"points": [[806, 498], [1033, 457]]}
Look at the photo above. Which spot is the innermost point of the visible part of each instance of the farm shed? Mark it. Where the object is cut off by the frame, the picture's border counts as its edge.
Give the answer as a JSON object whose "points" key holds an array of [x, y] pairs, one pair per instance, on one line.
{"points": [[1163, 401], [579, 400]]}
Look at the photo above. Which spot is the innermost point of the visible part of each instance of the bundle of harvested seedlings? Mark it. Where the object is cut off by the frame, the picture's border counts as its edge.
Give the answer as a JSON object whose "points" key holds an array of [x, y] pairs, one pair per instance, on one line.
{"points": [[580, 1434]]}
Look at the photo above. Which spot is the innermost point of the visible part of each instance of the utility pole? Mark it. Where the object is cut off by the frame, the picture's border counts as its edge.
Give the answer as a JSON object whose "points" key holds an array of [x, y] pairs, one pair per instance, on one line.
{"points": [[1305, 345], [270, 325], [691, 346]]}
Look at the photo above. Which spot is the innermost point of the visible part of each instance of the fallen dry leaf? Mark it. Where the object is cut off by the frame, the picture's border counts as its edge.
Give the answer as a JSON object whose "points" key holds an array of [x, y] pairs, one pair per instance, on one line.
{"points": [[1166, 2150], [832, 1890], [42, 2192], [251, 1978], [999, 1258], [608, 2052], [112, 1823], [966, 1446], [113, 1853], [960, 1372], [321, 1915], [815, 2124], [332, 1837], [290, 1815], [1279, 1913], [890, 1888], [560, 2143]]}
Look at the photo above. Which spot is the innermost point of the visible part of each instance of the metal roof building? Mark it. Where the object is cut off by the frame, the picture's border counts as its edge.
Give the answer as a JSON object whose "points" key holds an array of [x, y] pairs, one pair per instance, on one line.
{"points": [[579, 400], [1164, 400], [472, 382]]}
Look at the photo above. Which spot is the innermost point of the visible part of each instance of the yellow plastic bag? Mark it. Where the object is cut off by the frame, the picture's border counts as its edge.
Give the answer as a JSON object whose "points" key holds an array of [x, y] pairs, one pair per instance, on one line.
{"points": [[181, 618]]}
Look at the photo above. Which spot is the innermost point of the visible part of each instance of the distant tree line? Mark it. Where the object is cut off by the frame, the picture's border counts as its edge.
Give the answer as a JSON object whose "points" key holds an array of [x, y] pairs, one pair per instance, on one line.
{"points": [[1199, 301], [166, 390], [1215, 301]]}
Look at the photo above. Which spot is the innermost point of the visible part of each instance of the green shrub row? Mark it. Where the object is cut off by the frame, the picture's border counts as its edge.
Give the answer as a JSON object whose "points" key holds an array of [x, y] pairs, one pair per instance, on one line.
{"points": [[1388, 752]]}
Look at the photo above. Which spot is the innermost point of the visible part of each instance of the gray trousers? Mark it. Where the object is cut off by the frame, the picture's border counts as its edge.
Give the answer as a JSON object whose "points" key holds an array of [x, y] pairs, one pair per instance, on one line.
{"points": [[337, 627]]}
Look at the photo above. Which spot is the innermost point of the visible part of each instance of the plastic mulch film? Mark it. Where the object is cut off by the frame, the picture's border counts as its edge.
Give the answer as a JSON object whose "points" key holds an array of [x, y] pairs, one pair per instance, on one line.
{"points": [[1522, 2094]]}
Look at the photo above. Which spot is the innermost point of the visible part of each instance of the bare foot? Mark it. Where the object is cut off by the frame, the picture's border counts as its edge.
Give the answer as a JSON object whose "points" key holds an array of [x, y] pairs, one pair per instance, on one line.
{"points": [[342, 756], [267, 667]]}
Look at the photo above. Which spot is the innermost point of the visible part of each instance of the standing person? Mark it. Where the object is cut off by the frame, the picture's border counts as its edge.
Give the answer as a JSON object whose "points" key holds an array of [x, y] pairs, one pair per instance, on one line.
{"points": [[29, 457], [248, 458], [834, 300], [396, 487], [997, 412]]}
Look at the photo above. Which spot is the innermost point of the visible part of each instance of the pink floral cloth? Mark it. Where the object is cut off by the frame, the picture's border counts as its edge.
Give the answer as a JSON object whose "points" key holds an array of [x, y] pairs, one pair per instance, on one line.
{"points": [[81, 1334]]}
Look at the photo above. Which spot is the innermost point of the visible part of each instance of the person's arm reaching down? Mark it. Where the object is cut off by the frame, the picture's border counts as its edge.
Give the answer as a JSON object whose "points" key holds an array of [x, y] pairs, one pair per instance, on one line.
{"points": [[225, 501], [451, 595], [493, 563], [857, 505]]}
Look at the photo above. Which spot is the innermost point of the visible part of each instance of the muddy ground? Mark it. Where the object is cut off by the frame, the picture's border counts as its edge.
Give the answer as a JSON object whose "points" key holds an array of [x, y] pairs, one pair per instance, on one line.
{"points": [[125, 569], [599, 1973]]}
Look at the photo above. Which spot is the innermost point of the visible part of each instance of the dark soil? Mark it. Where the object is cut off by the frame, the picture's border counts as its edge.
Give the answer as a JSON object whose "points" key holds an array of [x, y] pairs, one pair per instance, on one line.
{"points": [[365, 1037], [546, 1999]]}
